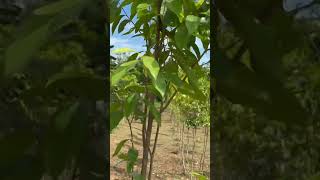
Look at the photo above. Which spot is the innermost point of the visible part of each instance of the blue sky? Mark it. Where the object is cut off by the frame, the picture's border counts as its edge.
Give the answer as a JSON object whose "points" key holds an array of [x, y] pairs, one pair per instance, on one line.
{"points": [[137, 43]]}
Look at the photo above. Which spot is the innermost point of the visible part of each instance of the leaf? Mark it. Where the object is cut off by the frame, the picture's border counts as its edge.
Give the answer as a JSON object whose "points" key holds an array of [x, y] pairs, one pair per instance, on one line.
{"points": [[119, 147], [199, 3], [199, 176], [132, 158], [33, 35], [151, 64], [61, 148], [156, 114], [181, 37], [122, 71], [192, 23], [130, 105], [176, 6], [142, 10], [116, 115], [19, 52], [242, 86], [123, 50], [79, 84], [116, 22], [56, 7], [160, 84], [122, 25], [64, 117]]}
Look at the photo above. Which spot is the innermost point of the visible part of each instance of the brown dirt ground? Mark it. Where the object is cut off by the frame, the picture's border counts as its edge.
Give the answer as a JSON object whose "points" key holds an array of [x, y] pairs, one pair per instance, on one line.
{"points": [[167, 163]]}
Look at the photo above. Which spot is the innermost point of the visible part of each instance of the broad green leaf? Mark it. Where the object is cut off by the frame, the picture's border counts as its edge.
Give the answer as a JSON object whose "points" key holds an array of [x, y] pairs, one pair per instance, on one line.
{"points": [[132, 159], [79, 84], [152, 65], [130, 105], [192, 23], [242, 86], [181, 37], [19, 52], [116, 115], [119, 147], [176, 6], [160, 84], [122, 25], [123, 50], [59, 148], [121, 71], [199, 176], [170, 19], [156, 114], [57, 7], [115, 23], [64, 117], [199, 3], [33, 35], [142, 9]]}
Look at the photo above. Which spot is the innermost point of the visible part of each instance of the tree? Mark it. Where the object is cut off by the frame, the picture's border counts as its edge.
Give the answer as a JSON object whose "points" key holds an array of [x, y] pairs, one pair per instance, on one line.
{"points": [[170, 29]]}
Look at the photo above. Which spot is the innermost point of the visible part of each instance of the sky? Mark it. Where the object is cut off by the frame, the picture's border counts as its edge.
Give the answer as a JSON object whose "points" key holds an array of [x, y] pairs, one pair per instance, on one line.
{"points": [[137, 43]]}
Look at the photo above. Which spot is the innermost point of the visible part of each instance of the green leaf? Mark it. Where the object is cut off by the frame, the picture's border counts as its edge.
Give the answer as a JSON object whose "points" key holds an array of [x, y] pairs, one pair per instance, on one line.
{"points": [[199, 3], [176, 6], [242, 86], [123, 50], [64, 117], [122, 25], [79, 84], [60, 148], [156, 114], [181, 37], [19, 52], [152, 65], [192, 23], [56, 7], [199, 176], [116, 115], [116, 22], [142, 10], [132, 159], [122, 71], [130, 105], [119, 147], [160, 84], [33, 34]]}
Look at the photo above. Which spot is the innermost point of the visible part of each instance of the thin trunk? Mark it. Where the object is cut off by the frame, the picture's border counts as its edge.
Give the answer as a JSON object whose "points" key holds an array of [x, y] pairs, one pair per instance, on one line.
{"points": [[187, 148], [153, 151], [182, 150], [131, 133], [194, 146], [145, 151]]}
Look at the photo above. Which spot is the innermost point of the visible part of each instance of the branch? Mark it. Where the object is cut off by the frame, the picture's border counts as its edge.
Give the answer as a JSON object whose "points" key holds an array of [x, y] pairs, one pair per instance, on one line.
{"points": [[297, 9]]}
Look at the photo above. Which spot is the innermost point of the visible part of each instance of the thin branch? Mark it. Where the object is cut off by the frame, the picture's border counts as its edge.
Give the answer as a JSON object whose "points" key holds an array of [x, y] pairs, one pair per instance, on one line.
{"points": [[297, 9]]}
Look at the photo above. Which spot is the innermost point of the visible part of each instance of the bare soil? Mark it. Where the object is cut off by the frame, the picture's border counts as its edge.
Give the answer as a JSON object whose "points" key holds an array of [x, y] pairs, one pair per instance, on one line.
{"points": [[168, 160]]}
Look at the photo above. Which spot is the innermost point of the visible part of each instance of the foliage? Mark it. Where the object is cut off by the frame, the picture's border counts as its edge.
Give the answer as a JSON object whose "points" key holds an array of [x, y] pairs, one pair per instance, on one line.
{"points": [[50, 121], [170, 29], [264, 114]]}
